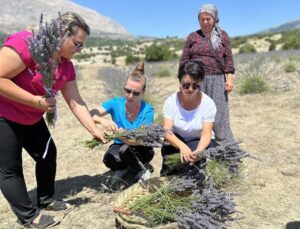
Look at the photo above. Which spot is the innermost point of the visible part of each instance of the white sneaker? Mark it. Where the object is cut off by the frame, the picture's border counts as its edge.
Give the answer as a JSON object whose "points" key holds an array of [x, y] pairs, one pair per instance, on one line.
{"points": [[117, 175], [143, 175]]}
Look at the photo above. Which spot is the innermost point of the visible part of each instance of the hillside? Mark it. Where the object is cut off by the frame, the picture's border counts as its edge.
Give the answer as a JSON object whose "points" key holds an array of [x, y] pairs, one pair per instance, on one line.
{"points": [[291, 25], [16, 15]]}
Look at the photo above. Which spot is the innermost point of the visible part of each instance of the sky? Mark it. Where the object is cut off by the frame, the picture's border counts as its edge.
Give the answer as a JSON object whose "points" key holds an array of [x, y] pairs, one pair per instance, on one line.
{"points": [[161, 18]]}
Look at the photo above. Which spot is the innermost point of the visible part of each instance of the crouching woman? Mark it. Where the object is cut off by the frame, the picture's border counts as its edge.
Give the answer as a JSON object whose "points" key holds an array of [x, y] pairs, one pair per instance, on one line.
{"points": [[189, 116], [127, 112]]}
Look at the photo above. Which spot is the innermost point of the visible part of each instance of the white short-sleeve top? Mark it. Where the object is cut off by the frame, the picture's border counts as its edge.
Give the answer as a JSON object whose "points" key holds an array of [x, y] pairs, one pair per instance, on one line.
{"points": [[186, 123]]}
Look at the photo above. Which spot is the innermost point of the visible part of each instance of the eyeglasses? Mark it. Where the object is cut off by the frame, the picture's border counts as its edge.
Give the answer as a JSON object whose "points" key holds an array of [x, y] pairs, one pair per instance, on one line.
{"points": [[129, 91], [78, 45], [186, 86]]}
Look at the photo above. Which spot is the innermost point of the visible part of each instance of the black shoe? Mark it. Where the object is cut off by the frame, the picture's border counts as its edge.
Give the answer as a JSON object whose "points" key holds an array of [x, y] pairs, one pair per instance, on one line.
{"points": [[57, 205], [45, 221]]}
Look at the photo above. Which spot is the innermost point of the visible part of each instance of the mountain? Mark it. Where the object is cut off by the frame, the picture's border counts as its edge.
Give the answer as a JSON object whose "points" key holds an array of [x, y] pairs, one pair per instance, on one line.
{"points": [[295, 24], [18, 14]]}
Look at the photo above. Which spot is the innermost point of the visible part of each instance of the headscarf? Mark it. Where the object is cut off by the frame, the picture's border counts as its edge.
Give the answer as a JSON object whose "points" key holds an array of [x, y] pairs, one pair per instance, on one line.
{"points": [[215, 36]]}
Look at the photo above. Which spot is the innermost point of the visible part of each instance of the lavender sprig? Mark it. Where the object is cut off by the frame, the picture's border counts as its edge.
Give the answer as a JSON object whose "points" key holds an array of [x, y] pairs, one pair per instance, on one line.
{"points": [[43, 46]]}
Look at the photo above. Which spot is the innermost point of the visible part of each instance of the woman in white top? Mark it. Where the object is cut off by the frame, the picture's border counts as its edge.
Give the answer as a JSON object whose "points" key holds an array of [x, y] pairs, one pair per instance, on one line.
{"points": [[189, 114]]}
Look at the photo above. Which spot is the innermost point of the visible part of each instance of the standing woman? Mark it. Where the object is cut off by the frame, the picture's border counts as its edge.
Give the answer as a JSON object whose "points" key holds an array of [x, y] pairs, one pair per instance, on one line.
{"points": [[211, 46], [128, 112], [189, 114], [22, 105]]}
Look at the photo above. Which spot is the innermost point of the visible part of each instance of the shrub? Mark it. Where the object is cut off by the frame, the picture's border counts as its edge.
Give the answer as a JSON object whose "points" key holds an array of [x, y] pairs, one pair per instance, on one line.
{"points": [[237, 41], [158, 53], [132, 59], [292, 43], [272, 46], [247, 48], [253, 84], [163, 72], [289, 67]]}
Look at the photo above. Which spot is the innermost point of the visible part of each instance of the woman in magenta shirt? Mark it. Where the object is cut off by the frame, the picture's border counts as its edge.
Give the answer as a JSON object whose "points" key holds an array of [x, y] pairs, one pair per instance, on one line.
{"points": [[22, 105]]}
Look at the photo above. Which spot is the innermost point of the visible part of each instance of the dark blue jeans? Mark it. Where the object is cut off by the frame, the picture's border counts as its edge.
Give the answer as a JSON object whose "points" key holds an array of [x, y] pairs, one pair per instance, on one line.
{"points": [[169, 149], [122, 156], [33, 138]]}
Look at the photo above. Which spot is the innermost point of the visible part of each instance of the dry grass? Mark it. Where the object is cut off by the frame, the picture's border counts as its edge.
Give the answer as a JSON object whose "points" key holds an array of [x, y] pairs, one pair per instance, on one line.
{"points": [[267, 124]]}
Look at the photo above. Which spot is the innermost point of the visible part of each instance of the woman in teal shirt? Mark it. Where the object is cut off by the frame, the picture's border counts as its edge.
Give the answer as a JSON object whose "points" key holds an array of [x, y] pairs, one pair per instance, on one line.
{"points": [[128, 112]]}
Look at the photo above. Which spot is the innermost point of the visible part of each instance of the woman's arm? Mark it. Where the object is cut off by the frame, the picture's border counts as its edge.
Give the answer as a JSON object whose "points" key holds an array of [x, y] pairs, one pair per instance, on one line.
{"points": [[80, 110], [205, 137], [229, 64], [98, 114], [185, 152], [11, 65]]}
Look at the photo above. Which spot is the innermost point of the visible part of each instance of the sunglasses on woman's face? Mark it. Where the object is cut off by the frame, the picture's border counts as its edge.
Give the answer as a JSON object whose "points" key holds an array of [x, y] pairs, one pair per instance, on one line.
{"points": [[186, 86], [129, 92], [78, 45]]}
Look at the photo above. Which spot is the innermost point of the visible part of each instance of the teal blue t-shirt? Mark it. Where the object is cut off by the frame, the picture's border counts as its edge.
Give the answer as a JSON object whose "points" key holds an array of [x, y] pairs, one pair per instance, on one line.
{"points": [[116, 108]]}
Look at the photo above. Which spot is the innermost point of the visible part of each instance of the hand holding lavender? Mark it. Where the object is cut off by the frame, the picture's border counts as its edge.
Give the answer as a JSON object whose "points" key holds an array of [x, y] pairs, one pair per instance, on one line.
{"points": [[43, 47]]}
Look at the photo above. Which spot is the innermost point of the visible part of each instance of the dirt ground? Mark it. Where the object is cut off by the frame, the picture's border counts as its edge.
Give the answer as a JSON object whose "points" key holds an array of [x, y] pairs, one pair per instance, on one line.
{"points": [[267, 197]]}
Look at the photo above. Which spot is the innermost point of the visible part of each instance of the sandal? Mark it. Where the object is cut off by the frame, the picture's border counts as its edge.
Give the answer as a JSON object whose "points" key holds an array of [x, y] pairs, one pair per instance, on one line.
{"points": [[57, 205], [44, 222]]}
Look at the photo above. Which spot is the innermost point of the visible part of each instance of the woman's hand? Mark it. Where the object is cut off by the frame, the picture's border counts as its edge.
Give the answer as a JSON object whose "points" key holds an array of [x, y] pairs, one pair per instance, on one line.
{"points": [[46, 104], [229, 84], [100, 135], [109, 125], [186, 154]]}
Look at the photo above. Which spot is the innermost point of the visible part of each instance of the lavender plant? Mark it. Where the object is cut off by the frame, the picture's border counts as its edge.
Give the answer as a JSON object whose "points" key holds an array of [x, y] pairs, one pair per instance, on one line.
{"points": [[43, 46], [151, 135]]}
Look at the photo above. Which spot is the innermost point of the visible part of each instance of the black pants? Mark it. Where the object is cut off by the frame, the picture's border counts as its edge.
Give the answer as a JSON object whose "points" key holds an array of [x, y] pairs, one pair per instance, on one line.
{"points": [[169, 149], [33, 138], [122, 156]]}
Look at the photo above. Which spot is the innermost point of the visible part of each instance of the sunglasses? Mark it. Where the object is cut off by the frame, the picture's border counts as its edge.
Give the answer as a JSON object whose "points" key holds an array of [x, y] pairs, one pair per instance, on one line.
{"points": [[186, 86], [129, 92], [78, 45]]}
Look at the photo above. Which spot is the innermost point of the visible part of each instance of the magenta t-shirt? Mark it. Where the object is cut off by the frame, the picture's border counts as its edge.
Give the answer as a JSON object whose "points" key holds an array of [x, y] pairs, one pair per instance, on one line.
{"points": [[31, 80]]}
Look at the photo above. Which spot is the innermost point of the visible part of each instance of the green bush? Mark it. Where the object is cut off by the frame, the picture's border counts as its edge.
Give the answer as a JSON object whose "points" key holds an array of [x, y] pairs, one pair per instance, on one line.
{"points": [[290, 39], [159, 53], [163, 72], [292, 43], [132, 59], [272, 46], [289, 67], [253, 84], [84, 56], [237, 41], [247, 48]]}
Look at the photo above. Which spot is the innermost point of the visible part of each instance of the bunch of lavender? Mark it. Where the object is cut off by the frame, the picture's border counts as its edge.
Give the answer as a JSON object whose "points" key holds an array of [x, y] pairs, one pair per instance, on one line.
{"points": [[43, 46], [210, 208], [228, 152], [151, 135], [159, 207]]}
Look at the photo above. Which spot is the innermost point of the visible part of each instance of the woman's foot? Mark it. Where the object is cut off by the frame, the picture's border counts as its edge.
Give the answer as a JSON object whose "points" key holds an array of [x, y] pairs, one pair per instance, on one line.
{"points": [[56, 205], [41, 221]]}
